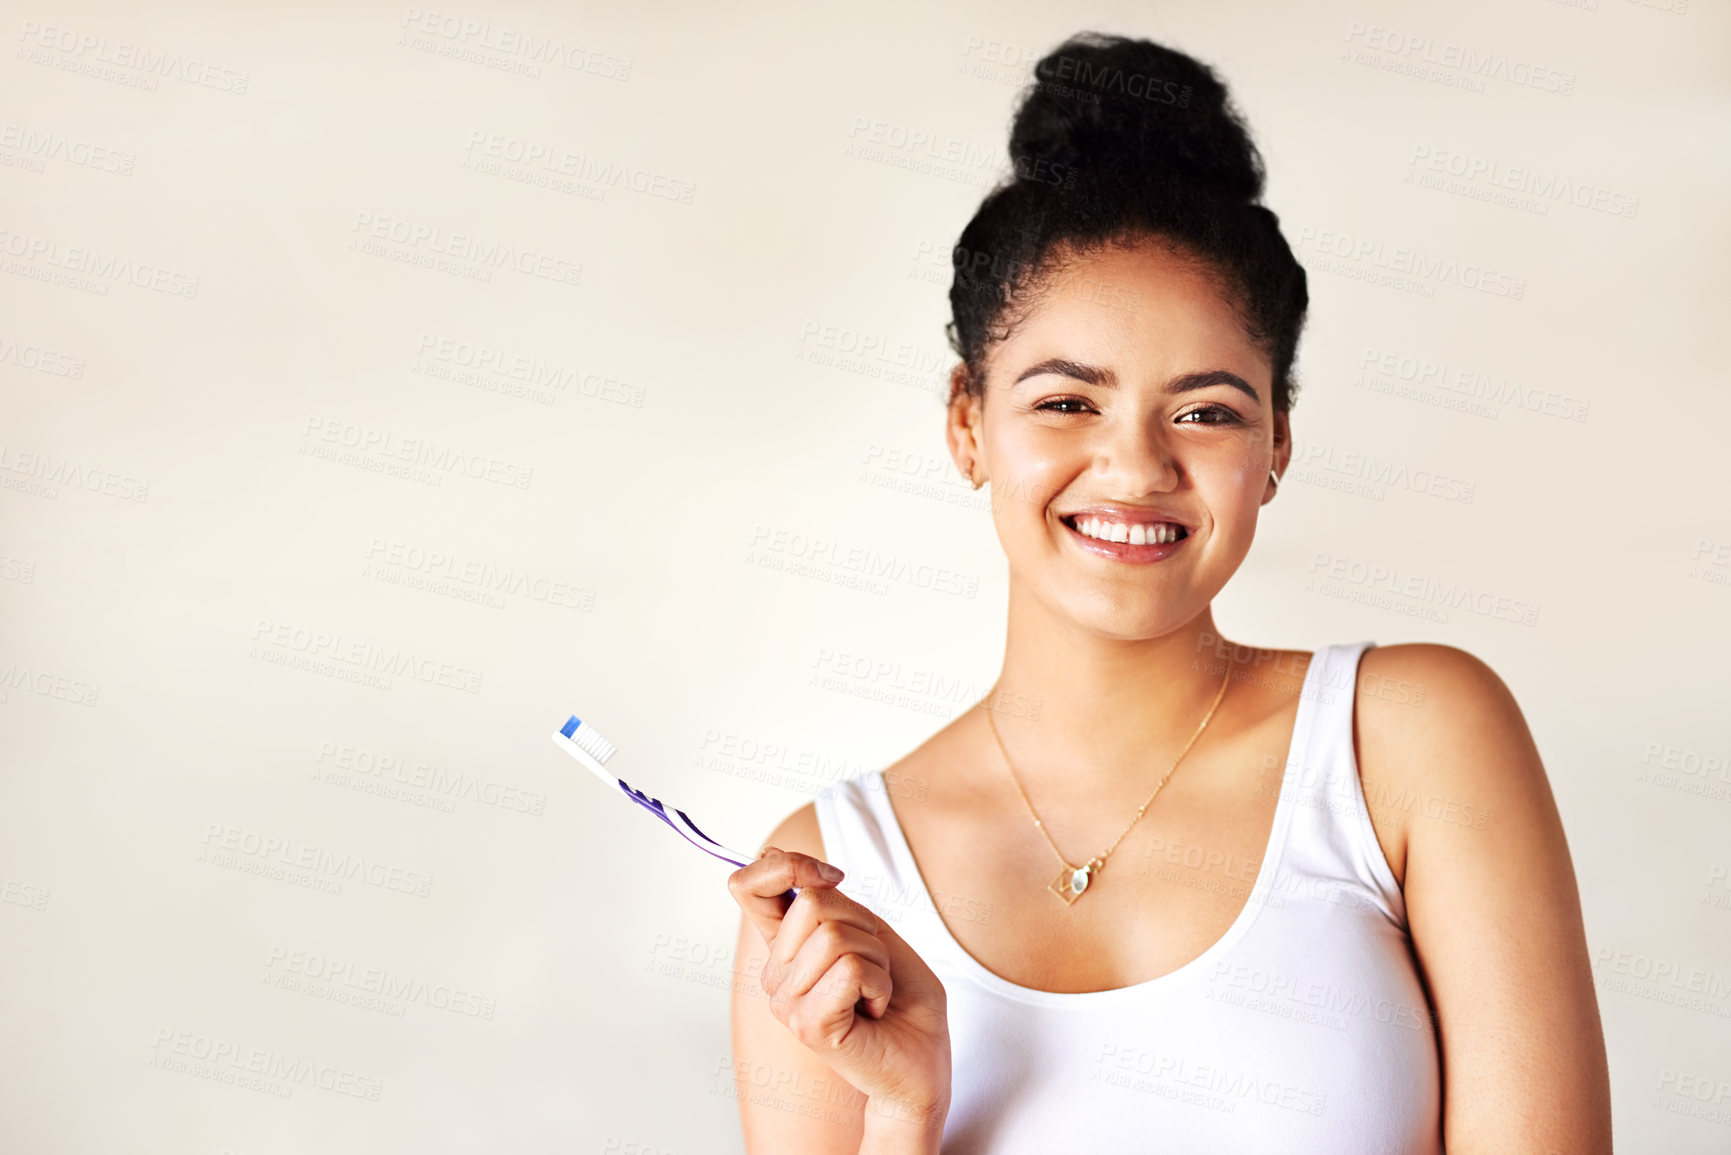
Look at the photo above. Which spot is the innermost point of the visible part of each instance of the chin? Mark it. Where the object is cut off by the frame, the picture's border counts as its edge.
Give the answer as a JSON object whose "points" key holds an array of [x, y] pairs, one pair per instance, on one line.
{"points": [[1131, 618]]}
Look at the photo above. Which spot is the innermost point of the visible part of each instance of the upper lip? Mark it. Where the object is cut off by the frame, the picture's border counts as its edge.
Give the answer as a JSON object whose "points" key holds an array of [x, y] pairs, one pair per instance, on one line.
{"points": [[1124, 514]]}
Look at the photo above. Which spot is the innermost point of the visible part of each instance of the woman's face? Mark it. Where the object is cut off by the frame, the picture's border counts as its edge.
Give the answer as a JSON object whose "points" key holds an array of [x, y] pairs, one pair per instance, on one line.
{"points": [[1129, 403]]}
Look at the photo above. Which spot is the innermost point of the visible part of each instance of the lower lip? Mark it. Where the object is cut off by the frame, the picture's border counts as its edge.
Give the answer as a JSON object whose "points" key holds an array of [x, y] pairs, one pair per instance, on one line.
{"points": [[1123, 550]]}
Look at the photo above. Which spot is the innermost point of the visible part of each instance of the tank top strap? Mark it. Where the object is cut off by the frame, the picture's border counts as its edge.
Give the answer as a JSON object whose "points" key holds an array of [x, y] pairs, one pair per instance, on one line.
{"points": [[862, 836], [1331, 849]]}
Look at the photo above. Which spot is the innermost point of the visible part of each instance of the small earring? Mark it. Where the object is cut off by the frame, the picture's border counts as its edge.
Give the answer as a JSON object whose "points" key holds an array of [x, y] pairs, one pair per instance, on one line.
{"points": [[1274, 478]]}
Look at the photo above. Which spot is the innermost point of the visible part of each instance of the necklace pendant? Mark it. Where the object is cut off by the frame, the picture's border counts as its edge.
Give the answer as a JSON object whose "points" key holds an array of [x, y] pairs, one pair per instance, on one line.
{"points": [[1072, 881]]}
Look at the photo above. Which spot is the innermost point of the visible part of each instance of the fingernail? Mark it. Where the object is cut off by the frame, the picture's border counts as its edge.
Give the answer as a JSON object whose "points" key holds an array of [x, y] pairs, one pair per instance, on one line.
{"points": [[830, 873], [767, 851]]}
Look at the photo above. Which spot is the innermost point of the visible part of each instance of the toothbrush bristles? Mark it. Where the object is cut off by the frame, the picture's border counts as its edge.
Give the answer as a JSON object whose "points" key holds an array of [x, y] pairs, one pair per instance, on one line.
{"points": [[590, 741]]}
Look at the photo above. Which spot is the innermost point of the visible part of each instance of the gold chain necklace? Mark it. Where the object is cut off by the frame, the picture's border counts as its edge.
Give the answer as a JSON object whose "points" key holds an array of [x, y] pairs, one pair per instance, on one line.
{"points": [[1074, 879]]}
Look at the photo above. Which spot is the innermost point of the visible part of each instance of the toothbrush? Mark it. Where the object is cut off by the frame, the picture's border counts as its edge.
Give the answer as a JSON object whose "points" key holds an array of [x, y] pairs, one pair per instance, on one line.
{"points": [[586, 744]]}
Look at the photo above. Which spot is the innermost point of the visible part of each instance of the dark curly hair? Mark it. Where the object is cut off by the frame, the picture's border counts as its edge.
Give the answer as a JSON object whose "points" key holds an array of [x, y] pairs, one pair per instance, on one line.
{"points": [[1120, 141]]}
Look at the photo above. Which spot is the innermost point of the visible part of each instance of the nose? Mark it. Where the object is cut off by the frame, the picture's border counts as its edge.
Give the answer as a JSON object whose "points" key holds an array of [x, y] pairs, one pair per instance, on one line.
{"points": [[1136, 455]]}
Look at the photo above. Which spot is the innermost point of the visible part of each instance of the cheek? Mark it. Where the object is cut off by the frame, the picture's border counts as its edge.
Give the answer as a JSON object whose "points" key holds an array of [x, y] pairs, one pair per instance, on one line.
{"points": [[1029, 467], [1234, 495]]}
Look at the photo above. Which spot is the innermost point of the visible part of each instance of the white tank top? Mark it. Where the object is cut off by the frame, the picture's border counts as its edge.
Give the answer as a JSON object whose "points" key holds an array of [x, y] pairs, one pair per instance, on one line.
{"points": [[1303, 1029]]}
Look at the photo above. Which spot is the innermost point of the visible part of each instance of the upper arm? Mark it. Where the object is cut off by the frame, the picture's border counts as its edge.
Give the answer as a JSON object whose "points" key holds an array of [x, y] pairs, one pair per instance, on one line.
{"points": [[1493, 909], [789, 1099]]}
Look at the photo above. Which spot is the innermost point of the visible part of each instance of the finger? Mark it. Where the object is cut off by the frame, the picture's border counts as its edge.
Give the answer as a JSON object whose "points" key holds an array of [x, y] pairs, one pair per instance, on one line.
{"points": [[823, 1018], [829, 942], [811, 909], [759, 888], [914, 978]]}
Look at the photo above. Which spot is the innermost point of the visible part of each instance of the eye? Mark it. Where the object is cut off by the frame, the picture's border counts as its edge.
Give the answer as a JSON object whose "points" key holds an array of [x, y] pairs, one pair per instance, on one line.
{"points": [[1215, 414], [1052, 404]]}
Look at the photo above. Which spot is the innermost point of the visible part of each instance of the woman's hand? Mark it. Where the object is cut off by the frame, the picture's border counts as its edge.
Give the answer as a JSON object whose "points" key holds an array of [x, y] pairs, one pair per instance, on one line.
{"points": [[848, 987]]}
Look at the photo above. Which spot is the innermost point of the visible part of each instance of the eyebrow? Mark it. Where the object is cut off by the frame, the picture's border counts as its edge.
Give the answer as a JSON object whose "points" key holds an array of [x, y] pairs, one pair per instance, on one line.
{"points": [[1094, 375]]}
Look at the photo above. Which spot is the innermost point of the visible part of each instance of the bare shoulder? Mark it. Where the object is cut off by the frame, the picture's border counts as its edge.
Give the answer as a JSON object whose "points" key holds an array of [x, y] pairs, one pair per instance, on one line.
{"points": [[1421, 658], [1414, 694], [1442, 744]]}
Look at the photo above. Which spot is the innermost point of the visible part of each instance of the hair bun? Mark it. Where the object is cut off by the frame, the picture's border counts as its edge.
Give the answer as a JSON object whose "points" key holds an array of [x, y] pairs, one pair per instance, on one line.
{"points": [[1112, 108]]}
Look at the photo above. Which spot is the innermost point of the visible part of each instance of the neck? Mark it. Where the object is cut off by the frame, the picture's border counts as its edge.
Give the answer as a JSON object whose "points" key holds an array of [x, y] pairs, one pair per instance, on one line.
{"points": [[1108, 708]]}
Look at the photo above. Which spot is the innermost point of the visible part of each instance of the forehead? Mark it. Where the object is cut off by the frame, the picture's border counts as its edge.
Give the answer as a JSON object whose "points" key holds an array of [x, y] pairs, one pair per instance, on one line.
{"points": [[1141, 310]]}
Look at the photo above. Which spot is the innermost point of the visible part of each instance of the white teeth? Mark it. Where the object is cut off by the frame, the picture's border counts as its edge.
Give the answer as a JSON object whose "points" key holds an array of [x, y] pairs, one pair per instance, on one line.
{"points": [[1160, 533]]}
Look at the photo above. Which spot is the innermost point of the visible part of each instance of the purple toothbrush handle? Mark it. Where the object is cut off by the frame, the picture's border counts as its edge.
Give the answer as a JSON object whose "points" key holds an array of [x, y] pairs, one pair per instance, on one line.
{"points": [[655, 807]]}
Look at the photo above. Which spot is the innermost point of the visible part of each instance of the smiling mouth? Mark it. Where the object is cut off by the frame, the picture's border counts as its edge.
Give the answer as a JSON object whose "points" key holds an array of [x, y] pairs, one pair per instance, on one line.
{"points": [[1127, 533]]}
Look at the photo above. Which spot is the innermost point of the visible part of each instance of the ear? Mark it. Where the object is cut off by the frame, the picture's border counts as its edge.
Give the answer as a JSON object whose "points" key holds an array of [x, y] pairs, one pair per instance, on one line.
{"points": [[962, 423], [1282, 453]]}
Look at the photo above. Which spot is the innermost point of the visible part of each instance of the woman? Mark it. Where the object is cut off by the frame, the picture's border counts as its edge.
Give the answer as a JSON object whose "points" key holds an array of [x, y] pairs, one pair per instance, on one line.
{"points": [[1161, 892]]}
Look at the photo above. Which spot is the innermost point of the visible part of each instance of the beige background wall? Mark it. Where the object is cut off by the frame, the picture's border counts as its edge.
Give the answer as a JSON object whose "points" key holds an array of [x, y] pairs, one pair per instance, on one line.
{"points": [[266, 432]]}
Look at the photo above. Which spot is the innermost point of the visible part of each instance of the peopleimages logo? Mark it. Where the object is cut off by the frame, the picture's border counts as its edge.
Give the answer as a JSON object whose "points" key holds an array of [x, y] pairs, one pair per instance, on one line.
{"points": [[560, 161], [105, 268], [40, 360], [385, 443], [317, 860], [364, 656], [49, 685], [39, 145], [1383, 584], [476, 574], [1499, 176], [311, 967], [88, 49], [1456, 64], [528, 369], [517, 43], [46, 467], [1091, 77], [1424, 270], [778, 548], [227, 1061], [1353, 466], [430, 241]]}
